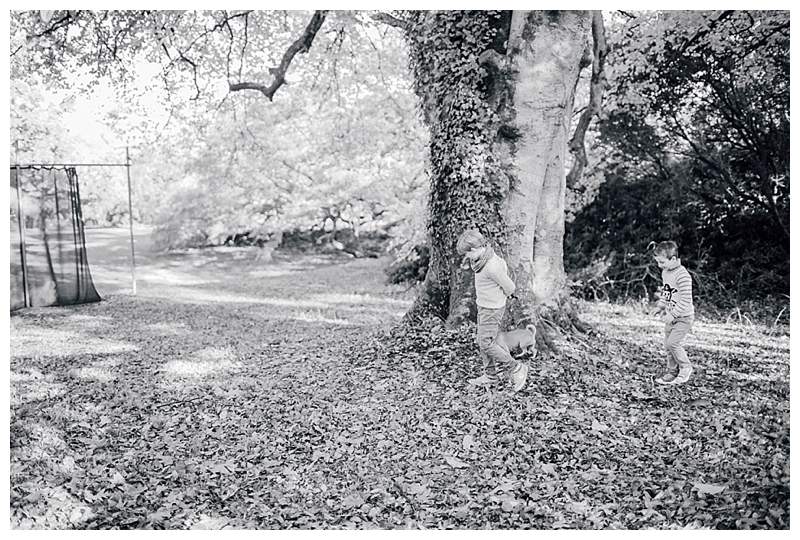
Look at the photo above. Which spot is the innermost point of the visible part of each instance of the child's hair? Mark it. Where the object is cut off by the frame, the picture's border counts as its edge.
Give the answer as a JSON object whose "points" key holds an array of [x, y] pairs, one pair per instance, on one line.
{"points": [[470, 239], [668, 249]]}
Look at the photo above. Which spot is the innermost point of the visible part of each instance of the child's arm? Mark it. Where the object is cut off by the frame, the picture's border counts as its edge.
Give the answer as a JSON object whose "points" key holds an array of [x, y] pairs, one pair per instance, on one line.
{"points": [[500, 276], [683, 295]]}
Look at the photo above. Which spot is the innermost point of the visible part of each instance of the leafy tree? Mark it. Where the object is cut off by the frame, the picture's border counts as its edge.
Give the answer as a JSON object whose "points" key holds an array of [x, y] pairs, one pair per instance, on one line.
{"points": [[344, 141], [695, 144], [496, 90]]}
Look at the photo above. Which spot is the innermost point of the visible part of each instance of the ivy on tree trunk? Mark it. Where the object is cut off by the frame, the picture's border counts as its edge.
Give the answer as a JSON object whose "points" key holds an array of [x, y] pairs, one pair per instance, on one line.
{"points": [[497, 91]]}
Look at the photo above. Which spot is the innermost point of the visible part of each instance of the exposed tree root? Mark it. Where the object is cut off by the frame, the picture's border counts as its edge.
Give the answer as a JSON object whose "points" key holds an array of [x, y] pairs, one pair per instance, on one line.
{"points": [[559, 321]]}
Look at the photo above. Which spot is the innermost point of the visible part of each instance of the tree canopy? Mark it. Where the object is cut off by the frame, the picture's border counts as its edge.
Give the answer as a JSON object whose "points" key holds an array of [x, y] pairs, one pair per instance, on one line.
{"points": [[343, 143], [692, 143]]}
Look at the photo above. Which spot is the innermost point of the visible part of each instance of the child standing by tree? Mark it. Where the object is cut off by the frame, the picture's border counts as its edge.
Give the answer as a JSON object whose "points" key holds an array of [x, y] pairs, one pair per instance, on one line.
{"points": [[678, 311], [492, 287]]}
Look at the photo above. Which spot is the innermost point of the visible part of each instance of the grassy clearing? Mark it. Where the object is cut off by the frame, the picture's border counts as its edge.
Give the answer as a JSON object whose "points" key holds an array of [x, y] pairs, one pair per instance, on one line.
{"points": [[232, 394]]}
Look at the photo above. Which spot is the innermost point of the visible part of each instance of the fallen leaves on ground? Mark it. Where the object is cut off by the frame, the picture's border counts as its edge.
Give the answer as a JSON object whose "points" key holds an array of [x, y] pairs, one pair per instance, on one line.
{"points": [[298, 401]]}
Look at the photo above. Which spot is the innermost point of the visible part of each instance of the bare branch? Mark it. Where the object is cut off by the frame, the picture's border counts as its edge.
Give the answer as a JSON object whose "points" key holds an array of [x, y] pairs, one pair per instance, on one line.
{"points": [[231, 39], [391, 20], [244, 45], [69, 17], [298, 171], [597, 86], [301, 45], [191, 62], [218, 26]]}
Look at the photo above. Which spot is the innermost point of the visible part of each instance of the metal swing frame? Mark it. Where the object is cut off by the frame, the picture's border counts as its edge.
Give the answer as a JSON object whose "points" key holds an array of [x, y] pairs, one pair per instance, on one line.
{"points": [[21, 218]]}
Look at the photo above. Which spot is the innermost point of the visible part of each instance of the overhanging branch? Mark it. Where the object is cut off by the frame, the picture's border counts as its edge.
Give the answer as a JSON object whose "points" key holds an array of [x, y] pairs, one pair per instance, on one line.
{"points": [[598, 83], [388, 18], [68, 18], [301, 45]]}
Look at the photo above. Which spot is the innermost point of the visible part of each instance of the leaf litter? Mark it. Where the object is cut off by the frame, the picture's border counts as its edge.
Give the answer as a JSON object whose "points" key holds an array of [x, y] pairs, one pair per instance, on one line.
{"points": [[282, 415]]}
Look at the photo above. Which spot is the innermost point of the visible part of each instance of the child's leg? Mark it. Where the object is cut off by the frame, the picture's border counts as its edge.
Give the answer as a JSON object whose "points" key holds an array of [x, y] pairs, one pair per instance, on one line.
{"points": [[487, 330], [674, 343], [488, 327], [671, 362]]}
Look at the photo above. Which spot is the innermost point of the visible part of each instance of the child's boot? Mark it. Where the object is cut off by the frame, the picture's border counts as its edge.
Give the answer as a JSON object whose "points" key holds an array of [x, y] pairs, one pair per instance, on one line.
{"points": [[683, 375], [669, 374], [518, 376], [666, 378]]}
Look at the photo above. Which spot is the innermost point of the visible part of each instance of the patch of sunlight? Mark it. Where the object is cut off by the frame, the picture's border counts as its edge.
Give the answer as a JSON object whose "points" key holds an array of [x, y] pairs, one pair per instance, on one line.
{"points": [[203, 363], [45, 443], [89, 321], [169, 277], [62, 511], [167, 329], [729, 349], [202, 296], [344, 298], [270, 273], [755, 377], [206, 522], [27, 342], [98, 374], [319, 319], [779, 343], [718, 330], [93, 408], [66, 466], [63, 414], [33, 386], [31, 374]]}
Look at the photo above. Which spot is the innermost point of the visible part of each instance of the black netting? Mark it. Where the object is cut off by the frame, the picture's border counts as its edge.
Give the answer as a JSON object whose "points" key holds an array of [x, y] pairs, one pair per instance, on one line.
{"points": [[48, 247]]}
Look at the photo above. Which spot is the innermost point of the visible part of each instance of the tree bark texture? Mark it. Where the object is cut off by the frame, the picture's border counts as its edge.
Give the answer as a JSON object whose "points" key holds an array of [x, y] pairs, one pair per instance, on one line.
{"points": [[545, 51], [497, 92]]}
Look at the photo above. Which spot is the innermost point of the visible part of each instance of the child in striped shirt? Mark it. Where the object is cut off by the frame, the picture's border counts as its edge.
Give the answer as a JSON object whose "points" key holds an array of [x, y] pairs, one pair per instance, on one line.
{"points": [[492, 287], [677, 308]]}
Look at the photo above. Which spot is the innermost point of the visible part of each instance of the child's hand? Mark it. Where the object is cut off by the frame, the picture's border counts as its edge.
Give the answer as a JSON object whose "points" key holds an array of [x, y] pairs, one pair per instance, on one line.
{"points": [[668, 318]]}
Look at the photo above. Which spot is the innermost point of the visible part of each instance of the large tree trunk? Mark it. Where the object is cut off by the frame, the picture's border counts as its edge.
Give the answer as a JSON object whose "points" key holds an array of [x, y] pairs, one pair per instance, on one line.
{"points": [[546, 52], [497, 91]]}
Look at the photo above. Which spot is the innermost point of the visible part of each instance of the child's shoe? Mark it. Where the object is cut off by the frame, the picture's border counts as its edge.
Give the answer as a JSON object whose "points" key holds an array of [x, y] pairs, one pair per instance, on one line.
{"points": [[519, 376], [666, 378], [683, 375]]}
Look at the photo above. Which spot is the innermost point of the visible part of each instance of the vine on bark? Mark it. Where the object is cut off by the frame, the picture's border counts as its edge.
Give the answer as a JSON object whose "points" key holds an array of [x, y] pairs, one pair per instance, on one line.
{"points": [[467, 184]]}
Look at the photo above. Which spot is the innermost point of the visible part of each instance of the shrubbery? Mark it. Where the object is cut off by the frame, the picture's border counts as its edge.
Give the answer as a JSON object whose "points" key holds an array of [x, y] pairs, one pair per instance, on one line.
{"points": [[411, 268], [734, 259]]}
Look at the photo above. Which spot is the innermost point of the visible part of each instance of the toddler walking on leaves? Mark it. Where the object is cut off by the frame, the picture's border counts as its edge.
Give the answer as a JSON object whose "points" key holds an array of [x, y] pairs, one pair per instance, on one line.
{"points": [[677, 309], [492, 287]]}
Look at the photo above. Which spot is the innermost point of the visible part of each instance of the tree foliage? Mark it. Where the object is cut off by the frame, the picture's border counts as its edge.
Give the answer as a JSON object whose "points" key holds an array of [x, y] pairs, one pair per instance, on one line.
{"points": [[694, 146], [341, 149]]}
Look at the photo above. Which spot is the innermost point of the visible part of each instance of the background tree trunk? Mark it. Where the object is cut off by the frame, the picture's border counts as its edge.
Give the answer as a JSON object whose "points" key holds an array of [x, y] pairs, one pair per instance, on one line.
{"points": [[497, 89]]}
